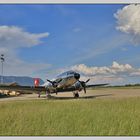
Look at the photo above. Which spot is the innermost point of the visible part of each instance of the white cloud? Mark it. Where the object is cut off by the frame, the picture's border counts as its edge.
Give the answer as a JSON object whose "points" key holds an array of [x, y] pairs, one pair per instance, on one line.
{"points": [[136, 73], [13, 38], [98, 79], [114, 69], [116, 73], [128, 21]]}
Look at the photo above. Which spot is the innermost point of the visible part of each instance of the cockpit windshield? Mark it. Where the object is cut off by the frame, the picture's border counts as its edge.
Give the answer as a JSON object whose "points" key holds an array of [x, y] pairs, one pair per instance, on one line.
{"points": [[70, 72], [66, 74]]}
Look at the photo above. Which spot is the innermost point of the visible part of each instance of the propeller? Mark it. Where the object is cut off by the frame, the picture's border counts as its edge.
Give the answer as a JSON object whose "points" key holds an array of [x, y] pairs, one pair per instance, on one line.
{"points": [[83, 84], [54, 83]]}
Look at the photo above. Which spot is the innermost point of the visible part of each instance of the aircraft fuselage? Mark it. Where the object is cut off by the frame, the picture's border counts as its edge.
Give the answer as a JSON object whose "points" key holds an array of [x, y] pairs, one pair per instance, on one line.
{"points": [[63, 80]]}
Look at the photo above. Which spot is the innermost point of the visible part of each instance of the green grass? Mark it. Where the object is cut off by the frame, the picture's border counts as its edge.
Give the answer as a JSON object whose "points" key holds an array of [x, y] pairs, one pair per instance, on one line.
{"points": [[80, 117]]}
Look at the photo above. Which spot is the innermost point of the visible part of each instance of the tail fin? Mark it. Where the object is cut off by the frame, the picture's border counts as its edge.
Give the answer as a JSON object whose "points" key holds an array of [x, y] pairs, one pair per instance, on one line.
{"points": [[36, 82]]}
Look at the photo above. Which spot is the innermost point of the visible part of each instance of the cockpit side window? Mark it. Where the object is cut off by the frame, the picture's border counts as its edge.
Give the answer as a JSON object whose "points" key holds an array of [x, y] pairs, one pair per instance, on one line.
{"points": [[70, 72], [65, 74]]}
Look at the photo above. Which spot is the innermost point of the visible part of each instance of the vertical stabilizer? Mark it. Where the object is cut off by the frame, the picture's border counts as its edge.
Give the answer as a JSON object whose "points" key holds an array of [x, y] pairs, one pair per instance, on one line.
{"points": [[36, 82]]}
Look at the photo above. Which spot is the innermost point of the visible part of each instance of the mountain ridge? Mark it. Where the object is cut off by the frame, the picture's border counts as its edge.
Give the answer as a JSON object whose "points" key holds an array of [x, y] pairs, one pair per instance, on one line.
{"points": [[21, 80]]}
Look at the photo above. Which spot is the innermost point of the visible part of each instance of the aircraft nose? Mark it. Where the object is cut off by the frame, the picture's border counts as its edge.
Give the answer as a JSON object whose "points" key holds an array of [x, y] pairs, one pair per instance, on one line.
{"points": [[76, 76]]}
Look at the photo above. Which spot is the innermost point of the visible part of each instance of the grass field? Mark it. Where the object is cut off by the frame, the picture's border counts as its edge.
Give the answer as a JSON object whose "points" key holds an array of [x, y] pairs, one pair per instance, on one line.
{"points": [[74, 117]]}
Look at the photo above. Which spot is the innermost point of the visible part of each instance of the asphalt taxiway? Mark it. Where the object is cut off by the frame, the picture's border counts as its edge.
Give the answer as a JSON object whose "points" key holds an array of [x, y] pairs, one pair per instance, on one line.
{"points": [[96, 93]]}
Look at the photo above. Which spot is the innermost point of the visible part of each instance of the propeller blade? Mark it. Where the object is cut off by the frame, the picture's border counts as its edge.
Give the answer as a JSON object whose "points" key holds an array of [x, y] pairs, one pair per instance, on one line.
{"points": [[83, 84], [59, 81], [49, 81], [54, 83], [87, 81], [85, 90]]}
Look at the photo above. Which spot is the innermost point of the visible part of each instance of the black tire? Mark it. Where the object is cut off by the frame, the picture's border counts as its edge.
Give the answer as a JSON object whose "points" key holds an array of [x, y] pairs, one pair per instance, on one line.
{"points": [[76, 95]]}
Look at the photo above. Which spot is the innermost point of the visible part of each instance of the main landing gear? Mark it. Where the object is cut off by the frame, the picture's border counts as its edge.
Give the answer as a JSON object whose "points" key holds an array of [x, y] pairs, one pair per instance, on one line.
{"points": [[76, 94], [48, 95], [38, 94]]}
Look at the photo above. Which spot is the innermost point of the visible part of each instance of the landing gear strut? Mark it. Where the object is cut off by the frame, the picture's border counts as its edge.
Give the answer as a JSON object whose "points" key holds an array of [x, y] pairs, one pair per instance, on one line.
{"points": [[76, 95], [48, 95], [38, 94]]}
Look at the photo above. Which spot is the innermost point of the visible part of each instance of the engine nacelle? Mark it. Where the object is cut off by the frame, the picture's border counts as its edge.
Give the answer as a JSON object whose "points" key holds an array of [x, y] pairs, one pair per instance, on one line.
{"points": [[78, 86]]}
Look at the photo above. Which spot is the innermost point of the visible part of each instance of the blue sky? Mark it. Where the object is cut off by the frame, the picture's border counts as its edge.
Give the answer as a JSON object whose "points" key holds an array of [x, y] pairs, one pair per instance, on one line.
{"points": [[77, 34]]}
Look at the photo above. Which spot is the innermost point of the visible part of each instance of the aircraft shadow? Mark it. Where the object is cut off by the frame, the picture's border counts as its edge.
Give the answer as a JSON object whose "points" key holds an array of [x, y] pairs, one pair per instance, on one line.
{"points": [[86, 97], [3, 96], [6, 96]]}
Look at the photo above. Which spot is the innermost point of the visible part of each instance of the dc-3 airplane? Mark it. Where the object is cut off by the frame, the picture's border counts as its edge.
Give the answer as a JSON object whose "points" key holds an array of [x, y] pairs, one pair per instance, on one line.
{"points": [[65, 82]]}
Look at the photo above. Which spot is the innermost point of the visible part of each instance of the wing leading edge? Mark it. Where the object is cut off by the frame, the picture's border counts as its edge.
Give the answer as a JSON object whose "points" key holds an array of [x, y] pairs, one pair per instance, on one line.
{"points": [[41, 88], [22, 88], [74, 88]]}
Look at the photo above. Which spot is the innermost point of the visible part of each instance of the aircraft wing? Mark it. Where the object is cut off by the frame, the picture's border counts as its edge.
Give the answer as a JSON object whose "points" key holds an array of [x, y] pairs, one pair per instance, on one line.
{"points": [[72, 88], [41, 88], [96, 85], [22, 88], [31, 88]]}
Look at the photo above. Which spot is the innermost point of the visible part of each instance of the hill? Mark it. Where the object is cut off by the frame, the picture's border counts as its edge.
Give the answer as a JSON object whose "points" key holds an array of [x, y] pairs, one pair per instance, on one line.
{"points": [[21, 80]]}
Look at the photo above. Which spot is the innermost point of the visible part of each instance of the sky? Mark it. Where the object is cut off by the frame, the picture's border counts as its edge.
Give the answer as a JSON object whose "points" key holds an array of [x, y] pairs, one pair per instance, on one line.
{"points": [[100, 41]]}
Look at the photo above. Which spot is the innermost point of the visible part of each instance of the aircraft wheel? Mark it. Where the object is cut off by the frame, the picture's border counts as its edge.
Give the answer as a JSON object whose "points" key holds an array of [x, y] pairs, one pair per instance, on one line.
{"points": [[76, 95], [38, 95]]}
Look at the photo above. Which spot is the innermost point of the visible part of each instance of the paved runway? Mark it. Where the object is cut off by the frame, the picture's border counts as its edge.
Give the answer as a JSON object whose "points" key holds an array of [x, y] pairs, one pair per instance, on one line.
{"points": [[96, 93]]}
